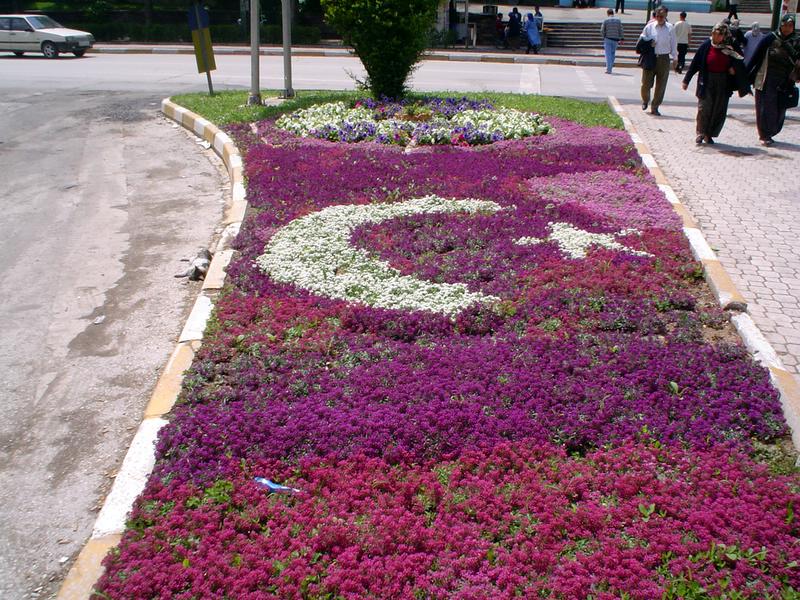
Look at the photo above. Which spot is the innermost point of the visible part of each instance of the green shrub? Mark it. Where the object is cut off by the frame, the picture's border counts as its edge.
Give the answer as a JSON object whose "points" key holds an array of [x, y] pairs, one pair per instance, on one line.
{"points": [[389, 36], [442, 39]]}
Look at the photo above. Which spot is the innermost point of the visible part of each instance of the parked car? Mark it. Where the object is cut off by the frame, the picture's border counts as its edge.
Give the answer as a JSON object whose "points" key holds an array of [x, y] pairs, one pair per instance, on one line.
{"points": [[37, 33]]}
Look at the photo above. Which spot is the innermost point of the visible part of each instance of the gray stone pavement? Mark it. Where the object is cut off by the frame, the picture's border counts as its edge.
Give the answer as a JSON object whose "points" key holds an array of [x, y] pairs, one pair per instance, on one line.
{"points": [[746, 199]]}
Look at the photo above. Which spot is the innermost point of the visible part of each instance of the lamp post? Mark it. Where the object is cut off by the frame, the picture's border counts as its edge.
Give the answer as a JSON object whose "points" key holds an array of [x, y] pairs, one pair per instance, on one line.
{"points": [[286, 15], [255, 78]]}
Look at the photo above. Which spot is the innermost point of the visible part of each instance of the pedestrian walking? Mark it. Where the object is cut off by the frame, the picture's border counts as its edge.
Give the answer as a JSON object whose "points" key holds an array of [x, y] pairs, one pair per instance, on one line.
{"points": [[514, 28], [620, 6], [533, 33], [660, 35], [737, 36], [751, 40], [720, 70], [773, 69], [613, 33], [683, 33], [733, 9]]}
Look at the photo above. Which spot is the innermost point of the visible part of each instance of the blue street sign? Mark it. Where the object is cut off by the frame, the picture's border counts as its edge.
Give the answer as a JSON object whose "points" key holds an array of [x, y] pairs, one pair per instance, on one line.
{"points": [[198, 17]]}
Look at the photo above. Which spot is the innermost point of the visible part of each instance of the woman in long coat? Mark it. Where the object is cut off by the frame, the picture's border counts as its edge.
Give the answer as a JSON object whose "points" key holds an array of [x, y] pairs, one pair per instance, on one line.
{"points": [[721, 70], [532, 28], [772, 69]]}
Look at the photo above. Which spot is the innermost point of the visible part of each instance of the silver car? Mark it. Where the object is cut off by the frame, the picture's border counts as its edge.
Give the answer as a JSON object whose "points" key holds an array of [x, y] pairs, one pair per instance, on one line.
{"points": [[37, 33]]}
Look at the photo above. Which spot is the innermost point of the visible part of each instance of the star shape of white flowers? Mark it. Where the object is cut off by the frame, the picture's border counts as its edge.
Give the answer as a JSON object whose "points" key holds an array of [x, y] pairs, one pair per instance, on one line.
{"points": [[575, 242]]}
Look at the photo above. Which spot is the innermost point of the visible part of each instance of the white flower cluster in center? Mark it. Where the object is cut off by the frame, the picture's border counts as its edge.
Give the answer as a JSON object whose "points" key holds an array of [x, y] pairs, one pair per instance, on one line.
{"points": [[315, 253], [337, 121]]}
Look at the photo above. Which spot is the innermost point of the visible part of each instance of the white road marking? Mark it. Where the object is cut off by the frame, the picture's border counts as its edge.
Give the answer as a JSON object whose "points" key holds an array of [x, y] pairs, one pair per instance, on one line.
{"points": [[586, 80], [530, 80]]}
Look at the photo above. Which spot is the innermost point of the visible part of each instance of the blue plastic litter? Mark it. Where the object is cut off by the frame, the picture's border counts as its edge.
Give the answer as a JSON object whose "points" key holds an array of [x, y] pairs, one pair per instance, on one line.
{"points": [[274, 488]]}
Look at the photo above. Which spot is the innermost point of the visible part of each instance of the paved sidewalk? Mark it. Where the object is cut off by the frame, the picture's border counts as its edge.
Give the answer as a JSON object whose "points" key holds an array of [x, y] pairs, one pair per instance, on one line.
{"points": [[746, 199]]}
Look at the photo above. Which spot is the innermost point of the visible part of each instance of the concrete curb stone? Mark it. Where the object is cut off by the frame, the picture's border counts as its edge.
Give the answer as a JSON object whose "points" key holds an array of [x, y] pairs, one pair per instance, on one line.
{"points": [[140, 458]]}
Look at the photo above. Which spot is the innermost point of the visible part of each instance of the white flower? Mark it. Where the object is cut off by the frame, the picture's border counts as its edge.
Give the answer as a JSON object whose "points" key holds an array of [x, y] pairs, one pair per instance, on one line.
{"points": [[314, 252], [331, 120], [574, 242]]}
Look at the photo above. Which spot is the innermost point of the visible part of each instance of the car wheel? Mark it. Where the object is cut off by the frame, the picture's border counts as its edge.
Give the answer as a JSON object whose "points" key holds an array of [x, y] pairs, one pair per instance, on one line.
{"points": [[49, 50], [18, 53], [79, 53]]}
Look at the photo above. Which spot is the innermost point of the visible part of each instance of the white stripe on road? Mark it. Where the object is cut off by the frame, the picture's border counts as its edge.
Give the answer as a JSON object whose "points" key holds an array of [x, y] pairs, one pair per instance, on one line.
{"points": [[586, 80], [530, 80]]}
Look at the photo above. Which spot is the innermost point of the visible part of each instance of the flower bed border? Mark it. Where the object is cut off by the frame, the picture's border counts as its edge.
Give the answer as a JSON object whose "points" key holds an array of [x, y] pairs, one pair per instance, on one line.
{"points": [[140, 459]]}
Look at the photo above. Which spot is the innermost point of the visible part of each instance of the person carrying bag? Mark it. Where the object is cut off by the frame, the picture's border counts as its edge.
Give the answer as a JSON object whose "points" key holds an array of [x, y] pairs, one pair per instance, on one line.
{"points": [[773, 70]]}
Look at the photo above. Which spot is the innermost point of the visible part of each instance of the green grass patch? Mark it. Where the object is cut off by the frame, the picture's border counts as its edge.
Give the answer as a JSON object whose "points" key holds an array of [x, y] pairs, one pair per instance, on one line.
{"points": [[228, 107]]}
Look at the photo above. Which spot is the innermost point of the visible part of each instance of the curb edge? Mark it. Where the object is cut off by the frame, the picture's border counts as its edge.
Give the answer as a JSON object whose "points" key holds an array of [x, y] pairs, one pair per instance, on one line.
{"points": [[724, 289], [140, 457]]}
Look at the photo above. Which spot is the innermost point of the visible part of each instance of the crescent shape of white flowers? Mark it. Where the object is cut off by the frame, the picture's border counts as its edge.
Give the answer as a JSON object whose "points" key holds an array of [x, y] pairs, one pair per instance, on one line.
{"points": [[314, 252]]}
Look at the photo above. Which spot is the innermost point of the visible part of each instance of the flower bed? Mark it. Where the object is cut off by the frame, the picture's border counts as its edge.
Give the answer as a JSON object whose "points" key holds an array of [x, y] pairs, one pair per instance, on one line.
{"points": [[432, 122], [490, 372]]}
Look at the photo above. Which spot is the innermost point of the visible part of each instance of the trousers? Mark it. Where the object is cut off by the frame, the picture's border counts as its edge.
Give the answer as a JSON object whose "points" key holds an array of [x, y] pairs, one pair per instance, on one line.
{"points": [[610, 50], [659, 76]]}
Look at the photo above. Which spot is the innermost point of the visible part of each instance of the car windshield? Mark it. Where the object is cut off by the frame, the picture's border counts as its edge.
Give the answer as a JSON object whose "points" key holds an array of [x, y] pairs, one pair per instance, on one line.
{"points": [[43, 23]]}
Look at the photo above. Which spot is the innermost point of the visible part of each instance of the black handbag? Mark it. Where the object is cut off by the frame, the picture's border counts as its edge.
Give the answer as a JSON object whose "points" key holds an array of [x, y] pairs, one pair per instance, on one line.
{"points": [[790, 96]]}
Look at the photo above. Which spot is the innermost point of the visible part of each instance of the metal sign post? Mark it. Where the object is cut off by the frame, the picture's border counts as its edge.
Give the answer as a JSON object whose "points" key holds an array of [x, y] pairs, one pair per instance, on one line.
{"points": [[201, 36], [255, 43], [286, 14]]}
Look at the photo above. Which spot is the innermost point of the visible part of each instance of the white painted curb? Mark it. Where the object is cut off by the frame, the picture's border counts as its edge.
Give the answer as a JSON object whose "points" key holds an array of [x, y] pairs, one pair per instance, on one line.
{"points": [[727, 294], [196, 323], [140, 458], [130, 480], [755, 341]]}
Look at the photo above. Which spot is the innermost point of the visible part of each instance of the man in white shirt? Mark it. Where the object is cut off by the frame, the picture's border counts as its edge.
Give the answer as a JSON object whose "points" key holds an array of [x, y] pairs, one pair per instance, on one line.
{"points": [[662, 37], [683, 32]]}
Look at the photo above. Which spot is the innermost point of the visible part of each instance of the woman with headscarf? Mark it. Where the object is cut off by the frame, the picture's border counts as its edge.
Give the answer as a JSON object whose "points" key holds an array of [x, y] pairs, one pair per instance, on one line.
{"points": [[720, 70], [773, 69], [532, 28]]}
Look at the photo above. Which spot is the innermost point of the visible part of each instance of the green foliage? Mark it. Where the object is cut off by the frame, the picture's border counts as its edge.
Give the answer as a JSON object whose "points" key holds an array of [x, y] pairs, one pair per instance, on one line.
{"points": [[442, 39], [389, 36], [779, 456]]}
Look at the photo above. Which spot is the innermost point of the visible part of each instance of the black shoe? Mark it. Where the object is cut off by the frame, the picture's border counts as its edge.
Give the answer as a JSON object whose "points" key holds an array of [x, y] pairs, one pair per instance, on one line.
{"points": [[655, 112], [698, 140], [644, 105], [709, 140], [767, 142]]}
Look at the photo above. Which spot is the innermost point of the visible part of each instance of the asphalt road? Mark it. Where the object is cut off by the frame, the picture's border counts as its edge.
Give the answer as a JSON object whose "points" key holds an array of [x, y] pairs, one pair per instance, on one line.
{"points": [[167, 74], [100, 197]]}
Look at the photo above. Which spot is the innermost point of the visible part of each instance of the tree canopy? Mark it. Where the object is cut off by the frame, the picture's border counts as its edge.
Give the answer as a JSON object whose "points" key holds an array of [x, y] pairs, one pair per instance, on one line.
{"points": [[389, 36]]}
